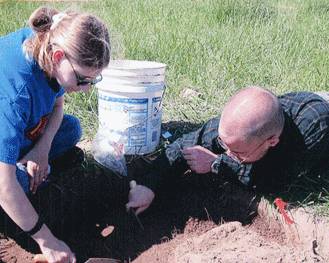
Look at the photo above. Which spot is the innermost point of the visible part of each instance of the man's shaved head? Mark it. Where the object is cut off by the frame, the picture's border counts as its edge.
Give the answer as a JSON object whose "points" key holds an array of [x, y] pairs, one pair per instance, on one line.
{"points": [[250, 113]]}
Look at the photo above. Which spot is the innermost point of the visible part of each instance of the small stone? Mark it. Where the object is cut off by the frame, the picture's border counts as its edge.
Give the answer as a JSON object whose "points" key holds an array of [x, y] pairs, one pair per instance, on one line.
{"points": [[107, 231], [190, 93]]}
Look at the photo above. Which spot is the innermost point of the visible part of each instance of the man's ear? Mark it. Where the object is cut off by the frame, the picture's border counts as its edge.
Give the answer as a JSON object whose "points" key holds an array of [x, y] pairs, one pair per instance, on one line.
{"points": [[57, 55], [273, 140]]}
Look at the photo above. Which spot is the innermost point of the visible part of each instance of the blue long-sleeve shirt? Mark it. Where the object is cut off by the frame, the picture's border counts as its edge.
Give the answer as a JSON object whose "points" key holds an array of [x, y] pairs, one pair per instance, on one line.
{"points": [[27, 97]]}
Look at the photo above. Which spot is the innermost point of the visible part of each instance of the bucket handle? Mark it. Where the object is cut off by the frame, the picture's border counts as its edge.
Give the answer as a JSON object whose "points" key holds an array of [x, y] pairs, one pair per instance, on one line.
{"points": [[163, 93]]}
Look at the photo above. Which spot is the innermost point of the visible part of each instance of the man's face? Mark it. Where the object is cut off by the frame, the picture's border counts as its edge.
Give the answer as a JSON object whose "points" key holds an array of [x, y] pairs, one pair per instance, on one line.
{"points": [[242, 150]]}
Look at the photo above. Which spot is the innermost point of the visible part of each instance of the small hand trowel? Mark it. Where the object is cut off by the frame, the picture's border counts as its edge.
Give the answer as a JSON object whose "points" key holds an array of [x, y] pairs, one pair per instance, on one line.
{"points": [[131, 211], [39, 258]]}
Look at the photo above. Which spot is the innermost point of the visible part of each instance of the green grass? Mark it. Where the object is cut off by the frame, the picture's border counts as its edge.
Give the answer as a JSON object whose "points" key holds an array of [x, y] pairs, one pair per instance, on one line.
{"points": [[212, 46]]}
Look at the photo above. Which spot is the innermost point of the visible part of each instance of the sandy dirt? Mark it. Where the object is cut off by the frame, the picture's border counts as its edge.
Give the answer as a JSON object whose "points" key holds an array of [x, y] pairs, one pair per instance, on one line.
{"points": [[267, 239]]}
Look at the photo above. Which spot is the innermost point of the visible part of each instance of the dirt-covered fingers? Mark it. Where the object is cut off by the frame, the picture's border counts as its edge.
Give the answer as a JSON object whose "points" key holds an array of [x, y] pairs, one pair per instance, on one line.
{"points": [[191, 161], [190, 154], [33, 170], [140, 198], [37, 175]]}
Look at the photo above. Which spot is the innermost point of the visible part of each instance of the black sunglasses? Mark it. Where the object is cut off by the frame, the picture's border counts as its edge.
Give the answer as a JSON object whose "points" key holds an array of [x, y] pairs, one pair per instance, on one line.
{"points": [[81, 80]]}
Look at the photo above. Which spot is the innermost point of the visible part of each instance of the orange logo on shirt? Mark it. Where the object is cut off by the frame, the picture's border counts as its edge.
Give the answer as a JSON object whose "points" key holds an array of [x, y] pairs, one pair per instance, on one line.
{"points": [[36, 131]]}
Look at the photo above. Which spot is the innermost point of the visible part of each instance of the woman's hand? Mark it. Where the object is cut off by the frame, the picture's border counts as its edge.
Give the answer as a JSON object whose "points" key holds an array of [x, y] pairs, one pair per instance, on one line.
{"points": [[53, 249], [36, 161], [18, 207], [57, 252]]}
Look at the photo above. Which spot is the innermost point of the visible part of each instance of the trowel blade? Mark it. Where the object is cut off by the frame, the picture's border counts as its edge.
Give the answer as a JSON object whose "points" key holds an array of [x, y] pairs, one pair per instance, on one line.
{"points": [[102, 260], [39, 258]]}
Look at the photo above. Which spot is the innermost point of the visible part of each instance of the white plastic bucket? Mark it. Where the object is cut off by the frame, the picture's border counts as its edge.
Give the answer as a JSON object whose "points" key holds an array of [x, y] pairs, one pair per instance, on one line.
{"points": [[140, 68], [129, 104]]}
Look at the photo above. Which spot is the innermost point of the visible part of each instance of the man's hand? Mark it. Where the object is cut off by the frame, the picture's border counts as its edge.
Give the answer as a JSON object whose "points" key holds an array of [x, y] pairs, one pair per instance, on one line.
{"points": [[36, 161], [140, 197], [199, 159]]}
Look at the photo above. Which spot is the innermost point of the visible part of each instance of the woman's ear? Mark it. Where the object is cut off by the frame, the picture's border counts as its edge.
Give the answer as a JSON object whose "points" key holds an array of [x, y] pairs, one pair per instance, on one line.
{"points": [[57, 56]]}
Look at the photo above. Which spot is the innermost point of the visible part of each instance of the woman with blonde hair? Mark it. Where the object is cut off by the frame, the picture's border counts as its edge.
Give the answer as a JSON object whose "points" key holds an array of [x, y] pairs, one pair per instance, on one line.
{"points": [[60, 52]]}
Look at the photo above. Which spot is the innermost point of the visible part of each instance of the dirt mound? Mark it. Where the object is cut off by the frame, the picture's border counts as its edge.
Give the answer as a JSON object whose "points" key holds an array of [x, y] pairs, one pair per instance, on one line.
{"points": [[11, 252], [267, 239]]}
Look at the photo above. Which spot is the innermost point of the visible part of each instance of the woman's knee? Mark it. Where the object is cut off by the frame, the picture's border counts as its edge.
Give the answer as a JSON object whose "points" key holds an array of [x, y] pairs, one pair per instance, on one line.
{"points": [[72, 128]]}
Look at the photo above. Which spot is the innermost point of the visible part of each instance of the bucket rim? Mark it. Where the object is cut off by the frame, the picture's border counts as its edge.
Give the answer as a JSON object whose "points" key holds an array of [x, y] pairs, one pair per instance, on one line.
{"points": [[121, 88], [128, 64], [117, 74], [113, 72]]}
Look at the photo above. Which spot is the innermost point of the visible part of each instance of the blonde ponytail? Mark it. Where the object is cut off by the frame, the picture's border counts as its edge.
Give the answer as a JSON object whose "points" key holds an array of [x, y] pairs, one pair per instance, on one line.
{"points": [[83, 37], [38, 47], [41, 20]]}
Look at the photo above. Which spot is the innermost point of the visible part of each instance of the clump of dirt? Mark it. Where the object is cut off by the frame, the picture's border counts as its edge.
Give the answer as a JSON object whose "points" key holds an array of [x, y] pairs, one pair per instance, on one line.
{"points": [[196, 227]]}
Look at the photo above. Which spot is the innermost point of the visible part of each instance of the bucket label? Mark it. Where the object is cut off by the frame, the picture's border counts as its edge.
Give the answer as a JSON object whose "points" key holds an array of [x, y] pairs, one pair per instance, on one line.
{"points": [[123, 100], [125, 116]]}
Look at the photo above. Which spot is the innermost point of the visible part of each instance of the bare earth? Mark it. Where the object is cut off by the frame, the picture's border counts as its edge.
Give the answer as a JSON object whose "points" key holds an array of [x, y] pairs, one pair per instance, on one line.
{"points": [[267, 239], [197, 220]]}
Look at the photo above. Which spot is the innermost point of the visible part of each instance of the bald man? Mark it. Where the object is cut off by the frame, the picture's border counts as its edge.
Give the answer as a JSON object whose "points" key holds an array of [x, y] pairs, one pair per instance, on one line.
{"points": [[260, 140]]}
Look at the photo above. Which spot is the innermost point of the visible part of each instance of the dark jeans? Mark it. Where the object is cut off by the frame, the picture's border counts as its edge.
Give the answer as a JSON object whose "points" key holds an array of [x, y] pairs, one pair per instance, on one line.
{"points": [[67, 136]]}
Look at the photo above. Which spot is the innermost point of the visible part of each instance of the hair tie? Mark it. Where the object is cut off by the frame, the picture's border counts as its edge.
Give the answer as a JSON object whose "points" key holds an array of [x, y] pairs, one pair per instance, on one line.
{"points": [[56, 19]]}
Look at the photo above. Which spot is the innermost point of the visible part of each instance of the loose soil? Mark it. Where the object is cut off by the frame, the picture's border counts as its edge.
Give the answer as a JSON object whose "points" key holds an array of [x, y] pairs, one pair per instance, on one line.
{"points": [[267, 239], [195, 219]]}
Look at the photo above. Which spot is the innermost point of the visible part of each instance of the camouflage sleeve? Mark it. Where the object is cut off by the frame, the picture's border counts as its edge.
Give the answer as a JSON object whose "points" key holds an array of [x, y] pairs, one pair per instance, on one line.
{"points": [[227, 167], [174, 150], [205, 137]]}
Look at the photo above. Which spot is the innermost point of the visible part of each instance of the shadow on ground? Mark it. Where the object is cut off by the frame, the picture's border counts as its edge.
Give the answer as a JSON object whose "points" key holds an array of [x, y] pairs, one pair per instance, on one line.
{"points": [[83, 201]]}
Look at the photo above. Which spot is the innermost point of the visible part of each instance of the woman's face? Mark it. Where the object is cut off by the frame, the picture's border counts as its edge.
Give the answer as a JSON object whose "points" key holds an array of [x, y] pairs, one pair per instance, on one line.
{"points": [[74, 78]]}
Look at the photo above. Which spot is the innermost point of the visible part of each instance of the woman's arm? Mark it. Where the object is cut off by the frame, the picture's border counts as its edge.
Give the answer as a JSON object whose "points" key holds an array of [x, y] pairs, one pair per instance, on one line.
{"points": [[15, 203], [13, 199], [54, 123], [37, 158]]}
